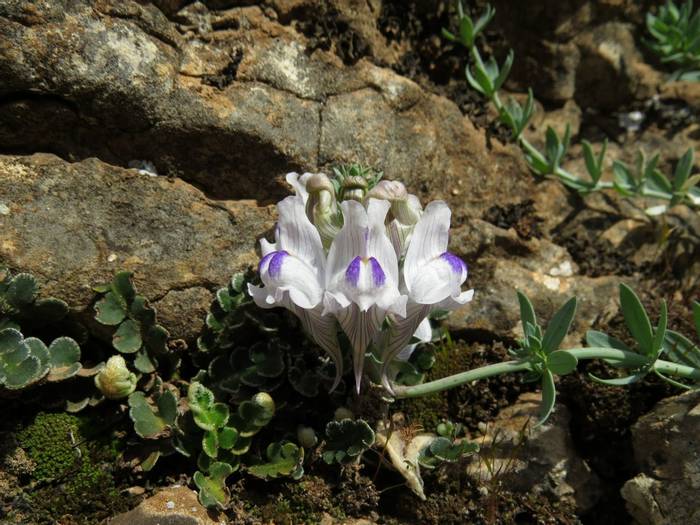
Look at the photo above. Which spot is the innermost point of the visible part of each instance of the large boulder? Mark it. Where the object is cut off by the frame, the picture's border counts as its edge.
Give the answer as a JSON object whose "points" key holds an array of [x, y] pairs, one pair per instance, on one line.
{"points": [[73, 225]]}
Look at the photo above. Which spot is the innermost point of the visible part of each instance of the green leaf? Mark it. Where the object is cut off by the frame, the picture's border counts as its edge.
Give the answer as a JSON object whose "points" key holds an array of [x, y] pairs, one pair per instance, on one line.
{"points": [[681, 350], [109, 310], [123, 288], [22, 289], [208, 414], [147, 423], [636, 319], [210, 443], [140, 311], [143, 362], [346, 440], [444, 450], [683, 169], [660, 332], [212, 487], [549, 396], [622, 381], [600, 339], [228, 437], [127, 338], [527, 312], [559, 326], [64, 359], [696, 316], [561, 362], [284, 459], [50, 310]]}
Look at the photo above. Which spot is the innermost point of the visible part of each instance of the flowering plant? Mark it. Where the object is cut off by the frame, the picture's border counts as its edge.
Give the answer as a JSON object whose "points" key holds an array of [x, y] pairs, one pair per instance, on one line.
{"points": [[361, 254]]}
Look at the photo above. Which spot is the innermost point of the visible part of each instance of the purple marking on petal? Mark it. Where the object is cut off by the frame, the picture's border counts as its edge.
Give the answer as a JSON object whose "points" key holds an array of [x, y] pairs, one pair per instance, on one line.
{"points": [[275, 267], [352, 274], [377, 272], [457, 264], [264, 260]]}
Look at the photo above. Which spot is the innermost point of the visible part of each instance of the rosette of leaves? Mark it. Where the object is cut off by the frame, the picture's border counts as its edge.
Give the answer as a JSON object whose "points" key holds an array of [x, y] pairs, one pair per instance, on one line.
{"points": [[676, 38], [233, 314], [446, 447], [284, 458], [136, 330], [260, 366], [541, 348], [26, 361], [346, 440]]}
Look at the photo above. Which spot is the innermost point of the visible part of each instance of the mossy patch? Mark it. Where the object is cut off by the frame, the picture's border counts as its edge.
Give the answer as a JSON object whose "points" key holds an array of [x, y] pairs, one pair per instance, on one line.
{"points": [[73, 473]]}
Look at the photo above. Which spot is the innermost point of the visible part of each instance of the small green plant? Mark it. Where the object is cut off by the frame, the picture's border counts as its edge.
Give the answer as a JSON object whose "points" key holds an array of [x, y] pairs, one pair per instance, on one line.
{"points": [[346, 440], [283, 459], [675, 33], [447, 447], [136, 328], [26, 361], [640, 182]]}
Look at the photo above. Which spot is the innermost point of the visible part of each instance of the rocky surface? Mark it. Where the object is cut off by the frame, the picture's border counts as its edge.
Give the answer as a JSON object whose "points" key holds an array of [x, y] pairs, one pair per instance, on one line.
{"points": [[74, 225], [667, 453], [542, 460], [175, 505]]}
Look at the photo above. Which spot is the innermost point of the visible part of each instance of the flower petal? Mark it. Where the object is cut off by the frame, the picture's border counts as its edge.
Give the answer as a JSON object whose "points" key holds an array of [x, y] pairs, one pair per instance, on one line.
{"points": [[323, 330], [378, 244], [424, 333], [361, 328], [399, 334], [429, 240], [298, 236], [350, 241]]}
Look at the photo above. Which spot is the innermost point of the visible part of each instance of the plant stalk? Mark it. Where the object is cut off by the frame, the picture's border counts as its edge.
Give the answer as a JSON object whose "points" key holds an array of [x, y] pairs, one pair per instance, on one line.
{"points": [[628, 359]]}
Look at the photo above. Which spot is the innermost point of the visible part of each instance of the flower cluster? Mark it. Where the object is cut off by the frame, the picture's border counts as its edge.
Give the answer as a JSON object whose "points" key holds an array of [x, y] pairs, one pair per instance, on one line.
{"points": [[364, 255]]}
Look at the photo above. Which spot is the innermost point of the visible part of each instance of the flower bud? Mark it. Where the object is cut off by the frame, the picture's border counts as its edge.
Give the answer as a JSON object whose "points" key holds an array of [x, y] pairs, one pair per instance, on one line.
{"points": [[265, 400], [354, 188], [390, 190], [115, 381], [306, 436], [322, 207]]}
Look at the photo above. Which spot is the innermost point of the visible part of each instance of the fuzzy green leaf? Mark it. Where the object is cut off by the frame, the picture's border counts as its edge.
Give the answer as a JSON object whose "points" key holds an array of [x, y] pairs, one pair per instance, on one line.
{"points": [[284, 459], [109, 310], [210, 443], [22, 289], [212, 488], [208, 414], [147, 423], [346, 440], [64, 359], [127, 338], [123, 288]]}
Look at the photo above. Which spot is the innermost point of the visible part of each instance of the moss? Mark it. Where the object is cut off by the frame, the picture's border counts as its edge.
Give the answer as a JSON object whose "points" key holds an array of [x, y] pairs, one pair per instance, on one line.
{"points": [[70, 468]]}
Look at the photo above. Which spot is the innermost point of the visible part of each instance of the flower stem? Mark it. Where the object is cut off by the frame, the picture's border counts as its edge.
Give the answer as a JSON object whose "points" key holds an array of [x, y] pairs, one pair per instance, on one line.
{"points": [[627, 359]]}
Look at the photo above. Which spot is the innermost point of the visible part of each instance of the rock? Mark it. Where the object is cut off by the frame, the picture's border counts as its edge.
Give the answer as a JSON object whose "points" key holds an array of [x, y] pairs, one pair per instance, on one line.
{"points": [[581, 49], [500, 263], [229, 100], [611, 71], [667, 455], [172, 506], [540, 459], [74, 225]]}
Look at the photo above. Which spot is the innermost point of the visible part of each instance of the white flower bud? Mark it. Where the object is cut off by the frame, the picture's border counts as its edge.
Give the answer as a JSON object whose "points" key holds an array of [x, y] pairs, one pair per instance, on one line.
{"points": [[306, 436], [115, 381], [322, 207]]}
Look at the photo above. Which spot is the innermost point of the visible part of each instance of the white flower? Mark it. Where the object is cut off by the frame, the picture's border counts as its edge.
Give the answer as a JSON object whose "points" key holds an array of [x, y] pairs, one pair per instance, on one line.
{"points": [[432, 277], [293, 274], [362, 277]]}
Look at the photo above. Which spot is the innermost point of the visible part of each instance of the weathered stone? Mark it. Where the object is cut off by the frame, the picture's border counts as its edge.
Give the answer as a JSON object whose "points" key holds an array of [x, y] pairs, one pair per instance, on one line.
{"points": [[667, 453], [231, 104], [504, 263], [540, 459], [175, 505], [74, 225]]}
